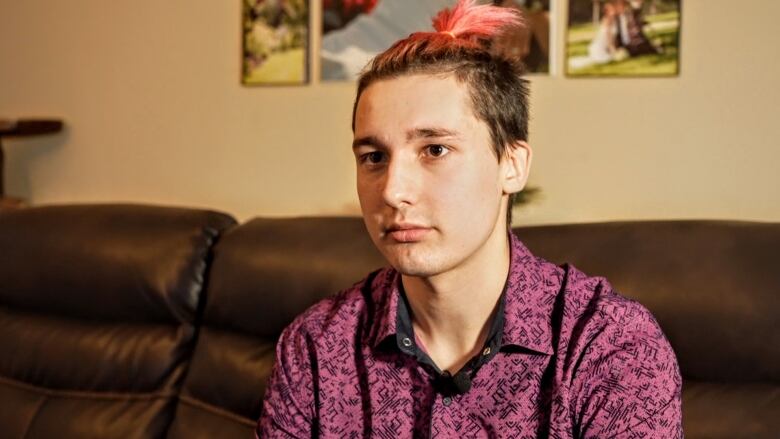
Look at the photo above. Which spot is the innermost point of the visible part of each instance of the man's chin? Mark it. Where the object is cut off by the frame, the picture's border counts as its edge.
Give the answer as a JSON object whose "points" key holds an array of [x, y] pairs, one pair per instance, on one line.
{"points": [[417, 267], [414, 271]]}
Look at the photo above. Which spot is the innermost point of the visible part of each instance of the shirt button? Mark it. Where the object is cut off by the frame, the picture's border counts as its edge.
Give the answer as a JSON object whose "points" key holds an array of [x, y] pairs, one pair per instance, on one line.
{"points": [[446, 400], [406, 342], [486, 351]]}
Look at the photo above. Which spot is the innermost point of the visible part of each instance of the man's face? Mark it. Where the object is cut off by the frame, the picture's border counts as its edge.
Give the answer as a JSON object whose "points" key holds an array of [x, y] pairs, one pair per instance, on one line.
{"points": [[427, 177]]}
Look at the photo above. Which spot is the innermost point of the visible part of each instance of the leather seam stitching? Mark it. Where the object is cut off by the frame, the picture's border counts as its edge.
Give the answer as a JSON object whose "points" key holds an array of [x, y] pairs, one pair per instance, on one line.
{"points": [[34, 415], [84, 394], [216, 410]]}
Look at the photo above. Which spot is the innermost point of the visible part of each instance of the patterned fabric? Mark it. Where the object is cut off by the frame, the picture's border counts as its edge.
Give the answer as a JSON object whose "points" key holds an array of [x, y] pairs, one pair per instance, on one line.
{"points": [[574, 359]]}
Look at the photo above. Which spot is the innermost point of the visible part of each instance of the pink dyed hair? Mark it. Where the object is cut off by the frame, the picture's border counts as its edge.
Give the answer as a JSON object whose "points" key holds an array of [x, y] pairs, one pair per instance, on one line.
{"points": [[466, 25], [468, 18]]}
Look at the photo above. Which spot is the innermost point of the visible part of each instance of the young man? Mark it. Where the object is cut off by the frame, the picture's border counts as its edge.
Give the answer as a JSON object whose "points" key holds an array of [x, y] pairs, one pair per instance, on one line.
{"points": [[467, 334]]}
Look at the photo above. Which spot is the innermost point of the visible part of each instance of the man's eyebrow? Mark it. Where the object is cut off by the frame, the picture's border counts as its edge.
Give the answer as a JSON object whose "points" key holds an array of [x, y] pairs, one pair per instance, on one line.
{"points": [[426, 133], [416, 133], [368, 141]]}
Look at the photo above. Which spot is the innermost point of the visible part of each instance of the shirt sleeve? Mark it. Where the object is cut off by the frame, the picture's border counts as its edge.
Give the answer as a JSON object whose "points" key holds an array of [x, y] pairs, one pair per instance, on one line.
{"points": [[288, 406], [628, 384]]}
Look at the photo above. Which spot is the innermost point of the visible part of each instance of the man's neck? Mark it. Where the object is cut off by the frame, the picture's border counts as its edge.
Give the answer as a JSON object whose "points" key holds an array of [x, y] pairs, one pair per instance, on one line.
{"points": [[452, 311]]}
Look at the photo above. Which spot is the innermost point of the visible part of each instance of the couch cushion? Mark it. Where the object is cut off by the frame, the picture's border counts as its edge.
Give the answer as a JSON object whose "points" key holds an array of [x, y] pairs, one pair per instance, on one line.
{"points": [[97, 316]]}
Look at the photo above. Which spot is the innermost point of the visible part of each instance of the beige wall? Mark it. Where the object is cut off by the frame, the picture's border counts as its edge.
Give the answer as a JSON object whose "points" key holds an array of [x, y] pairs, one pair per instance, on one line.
{"points": [[155, 112]]}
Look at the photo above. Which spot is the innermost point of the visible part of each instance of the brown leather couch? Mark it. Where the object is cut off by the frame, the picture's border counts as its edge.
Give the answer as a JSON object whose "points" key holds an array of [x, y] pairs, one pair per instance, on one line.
{"points": [[127, 321]]}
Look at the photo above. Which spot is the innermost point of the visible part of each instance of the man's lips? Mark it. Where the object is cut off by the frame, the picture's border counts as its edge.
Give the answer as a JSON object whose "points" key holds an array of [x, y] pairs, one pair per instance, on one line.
{"points": [[407, 232]]}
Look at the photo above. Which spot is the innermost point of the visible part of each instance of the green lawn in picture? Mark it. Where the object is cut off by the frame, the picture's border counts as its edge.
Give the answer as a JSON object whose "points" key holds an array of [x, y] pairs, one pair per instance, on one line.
{"points": [[666, 16], [285, 67], [663, 31], [579, 33]]}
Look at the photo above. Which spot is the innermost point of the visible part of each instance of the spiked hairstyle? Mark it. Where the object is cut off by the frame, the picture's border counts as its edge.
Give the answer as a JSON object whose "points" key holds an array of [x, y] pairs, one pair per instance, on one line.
{"points": [[460, 46]]}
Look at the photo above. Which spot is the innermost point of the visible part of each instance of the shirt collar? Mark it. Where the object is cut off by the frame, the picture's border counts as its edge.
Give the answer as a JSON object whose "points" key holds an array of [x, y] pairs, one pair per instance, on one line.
{"points": [[385, 296], [527, 301]]}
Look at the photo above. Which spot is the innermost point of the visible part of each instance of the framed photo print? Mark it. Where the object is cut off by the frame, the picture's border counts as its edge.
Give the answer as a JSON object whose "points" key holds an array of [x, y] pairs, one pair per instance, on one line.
{"points": [[530, 44], [623, 38], [354, 31], [275, 42]]}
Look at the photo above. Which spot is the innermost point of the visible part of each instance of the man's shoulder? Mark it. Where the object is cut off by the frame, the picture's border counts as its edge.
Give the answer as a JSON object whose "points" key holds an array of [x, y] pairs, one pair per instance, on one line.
{"points": [[595, 299], [342, 312], [616, 355], [602, 323]]}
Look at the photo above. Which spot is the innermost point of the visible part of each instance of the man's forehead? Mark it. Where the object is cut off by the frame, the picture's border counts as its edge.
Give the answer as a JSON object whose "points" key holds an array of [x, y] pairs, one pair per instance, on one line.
{"points": [[420, 86], [415, 106]]}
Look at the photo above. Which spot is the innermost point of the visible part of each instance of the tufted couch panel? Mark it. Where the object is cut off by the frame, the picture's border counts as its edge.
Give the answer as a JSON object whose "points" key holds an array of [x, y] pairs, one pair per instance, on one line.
{"points": [[98, 306]]}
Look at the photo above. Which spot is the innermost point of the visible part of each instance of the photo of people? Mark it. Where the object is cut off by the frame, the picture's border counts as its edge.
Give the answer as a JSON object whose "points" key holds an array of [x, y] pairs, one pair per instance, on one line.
{"points": [[275, 41], [354, 31], [623, 38]]}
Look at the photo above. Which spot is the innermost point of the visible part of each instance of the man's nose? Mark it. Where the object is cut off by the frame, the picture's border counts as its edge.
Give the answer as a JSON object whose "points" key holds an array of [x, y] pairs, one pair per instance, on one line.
{"points": [[401, 183]]}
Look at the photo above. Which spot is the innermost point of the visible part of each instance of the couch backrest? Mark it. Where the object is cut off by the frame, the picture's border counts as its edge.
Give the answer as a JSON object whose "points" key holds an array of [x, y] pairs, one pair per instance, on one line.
{"points": [[97, 313]]}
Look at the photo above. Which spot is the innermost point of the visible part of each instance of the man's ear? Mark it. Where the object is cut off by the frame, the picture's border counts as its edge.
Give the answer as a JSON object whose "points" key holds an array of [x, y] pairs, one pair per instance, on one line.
{"points": [[516, 166]]}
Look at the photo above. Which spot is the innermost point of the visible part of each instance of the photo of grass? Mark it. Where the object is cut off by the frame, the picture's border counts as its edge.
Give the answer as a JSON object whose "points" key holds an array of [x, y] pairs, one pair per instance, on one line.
{"points": [[275, 34], [623, 38]]}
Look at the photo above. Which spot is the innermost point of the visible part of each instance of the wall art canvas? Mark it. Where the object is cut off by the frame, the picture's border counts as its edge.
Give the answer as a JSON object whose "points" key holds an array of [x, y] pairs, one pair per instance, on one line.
{"points": [[623, 38], [275, 42], [530, 44], [354, 31]]}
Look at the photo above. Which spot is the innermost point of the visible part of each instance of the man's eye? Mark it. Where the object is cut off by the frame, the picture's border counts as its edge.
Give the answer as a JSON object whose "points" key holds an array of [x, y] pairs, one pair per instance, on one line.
{"points": [[436, 150], [372, 157]]}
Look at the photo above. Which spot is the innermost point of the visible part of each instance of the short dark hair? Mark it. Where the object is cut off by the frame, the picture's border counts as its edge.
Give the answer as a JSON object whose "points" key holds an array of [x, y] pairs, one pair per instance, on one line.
{"points": [[499, 93]]}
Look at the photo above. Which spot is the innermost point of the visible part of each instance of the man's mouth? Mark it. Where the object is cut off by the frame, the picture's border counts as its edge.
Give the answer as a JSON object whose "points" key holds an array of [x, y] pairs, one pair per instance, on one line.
{"points": [[407, 232]]}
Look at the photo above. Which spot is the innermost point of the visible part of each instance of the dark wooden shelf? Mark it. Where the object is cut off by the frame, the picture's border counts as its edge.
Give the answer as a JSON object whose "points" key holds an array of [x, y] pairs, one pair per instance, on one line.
{"points": [[21, 128], [29, 127]]}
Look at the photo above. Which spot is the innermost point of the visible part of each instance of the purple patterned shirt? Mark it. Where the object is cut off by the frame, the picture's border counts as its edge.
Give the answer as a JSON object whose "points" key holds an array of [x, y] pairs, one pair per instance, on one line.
{"points": [[566, 357]]}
